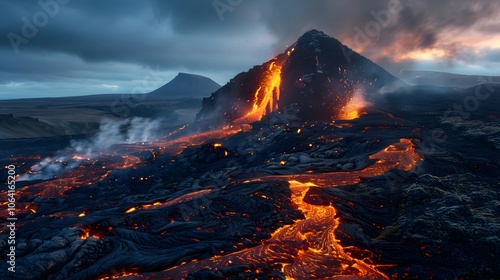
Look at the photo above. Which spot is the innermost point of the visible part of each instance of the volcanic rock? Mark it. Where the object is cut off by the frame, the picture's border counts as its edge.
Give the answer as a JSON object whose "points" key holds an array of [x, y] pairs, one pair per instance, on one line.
{"points": [[316, 72], [375, 197], [321, 76]]}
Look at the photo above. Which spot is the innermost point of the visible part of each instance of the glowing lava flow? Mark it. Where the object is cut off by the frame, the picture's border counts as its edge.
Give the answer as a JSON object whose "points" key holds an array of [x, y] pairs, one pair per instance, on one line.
{"points": [[269, 91], [400, 155], [267, 94], [324, 257], [84, 174], [353, 109], [178, 145], [182, 198], [308, 249], [93, 170]]}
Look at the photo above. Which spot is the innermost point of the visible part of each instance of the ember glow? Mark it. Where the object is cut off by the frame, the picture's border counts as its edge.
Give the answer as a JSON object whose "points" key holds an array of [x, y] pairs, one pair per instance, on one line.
{"points": [[324, 255], [88, 232], [297, 169], [179, 144], [354, 107], [317, 252], [268, 93], [400, 155], [88, 172], [187, 197], [122, 275]]}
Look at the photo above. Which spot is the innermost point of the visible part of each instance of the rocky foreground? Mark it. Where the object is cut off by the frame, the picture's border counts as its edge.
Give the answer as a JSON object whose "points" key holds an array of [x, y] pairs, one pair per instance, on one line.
{"points": [[280, 177], [376, 197]]}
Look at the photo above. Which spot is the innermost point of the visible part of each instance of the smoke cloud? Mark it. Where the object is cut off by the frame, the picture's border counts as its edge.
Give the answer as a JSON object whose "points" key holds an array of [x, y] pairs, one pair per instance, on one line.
{"points": [[111, 132]]}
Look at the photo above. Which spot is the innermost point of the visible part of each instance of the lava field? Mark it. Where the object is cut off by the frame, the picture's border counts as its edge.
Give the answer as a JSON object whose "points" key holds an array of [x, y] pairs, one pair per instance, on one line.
{"points": [[278, 180]]}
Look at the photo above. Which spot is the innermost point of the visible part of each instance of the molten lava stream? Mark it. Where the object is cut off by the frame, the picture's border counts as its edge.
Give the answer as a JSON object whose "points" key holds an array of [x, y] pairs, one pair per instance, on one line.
{"points": [[85, 174], [267, 94], [308, 249], [82, 175], [181, 199], [178, 145], [400, 155], [324, 257]]}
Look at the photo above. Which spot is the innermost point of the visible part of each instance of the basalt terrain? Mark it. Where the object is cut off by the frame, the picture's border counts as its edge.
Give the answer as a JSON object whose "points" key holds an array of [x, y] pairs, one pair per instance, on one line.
{"points": [[317, 164]]}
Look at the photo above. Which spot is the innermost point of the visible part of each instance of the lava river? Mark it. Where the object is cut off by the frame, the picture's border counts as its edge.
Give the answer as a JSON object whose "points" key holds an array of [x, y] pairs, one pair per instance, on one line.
{"points": [[309, 248]]}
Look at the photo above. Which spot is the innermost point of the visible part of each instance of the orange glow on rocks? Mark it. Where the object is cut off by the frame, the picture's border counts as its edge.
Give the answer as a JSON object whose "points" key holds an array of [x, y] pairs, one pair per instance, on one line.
{"points": [[87, 233], [353, 109], [177, 145], [123, 275], [324, 256], [180, 199], [128, 161], [400, 155], [309, 249], [131, 210], [267, 94]]}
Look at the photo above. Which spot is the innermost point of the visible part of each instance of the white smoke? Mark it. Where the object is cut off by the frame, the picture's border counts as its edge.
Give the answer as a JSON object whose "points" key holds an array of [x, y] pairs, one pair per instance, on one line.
{"points": [[111, 132]]}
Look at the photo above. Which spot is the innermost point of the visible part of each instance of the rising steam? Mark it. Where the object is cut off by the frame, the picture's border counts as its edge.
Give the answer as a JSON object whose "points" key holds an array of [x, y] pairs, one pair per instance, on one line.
{"points": [[111, 132]]}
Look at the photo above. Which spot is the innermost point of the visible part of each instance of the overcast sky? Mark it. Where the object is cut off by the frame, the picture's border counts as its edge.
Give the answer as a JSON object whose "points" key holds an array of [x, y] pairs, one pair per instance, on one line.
{"points": [[78, 47]]}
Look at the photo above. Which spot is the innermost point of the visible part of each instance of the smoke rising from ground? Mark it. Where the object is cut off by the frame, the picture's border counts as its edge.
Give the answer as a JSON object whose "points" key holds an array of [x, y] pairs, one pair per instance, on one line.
{"points": [[111, 132]]}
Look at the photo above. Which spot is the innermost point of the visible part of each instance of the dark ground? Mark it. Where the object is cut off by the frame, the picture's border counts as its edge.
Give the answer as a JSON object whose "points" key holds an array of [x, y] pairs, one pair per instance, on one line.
{"points": [[439, 220], [44, 117]]}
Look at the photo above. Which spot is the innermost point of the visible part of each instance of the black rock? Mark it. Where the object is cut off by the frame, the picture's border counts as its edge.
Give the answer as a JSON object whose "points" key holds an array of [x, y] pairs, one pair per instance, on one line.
{"points": [[318, 75]]}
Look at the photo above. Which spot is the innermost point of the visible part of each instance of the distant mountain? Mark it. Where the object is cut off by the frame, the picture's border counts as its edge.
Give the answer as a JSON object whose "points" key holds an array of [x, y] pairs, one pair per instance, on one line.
{"points": [[187, 85], [415, 77], [317, 75], [26, 127]]}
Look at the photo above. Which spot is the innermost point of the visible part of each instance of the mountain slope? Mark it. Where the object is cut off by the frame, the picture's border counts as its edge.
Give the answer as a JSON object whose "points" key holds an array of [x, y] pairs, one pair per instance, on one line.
{"points": [[187, 85], [415, 77], [316, 72]]}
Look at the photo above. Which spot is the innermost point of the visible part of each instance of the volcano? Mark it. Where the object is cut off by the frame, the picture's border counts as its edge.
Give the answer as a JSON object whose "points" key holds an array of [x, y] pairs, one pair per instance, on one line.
{"points": [[317, 75], [285, 186]]}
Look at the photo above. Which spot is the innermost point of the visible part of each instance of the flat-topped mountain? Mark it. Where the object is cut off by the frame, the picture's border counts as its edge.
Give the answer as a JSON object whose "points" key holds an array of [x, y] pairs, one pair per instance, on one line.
{"points": [[187, 85]]}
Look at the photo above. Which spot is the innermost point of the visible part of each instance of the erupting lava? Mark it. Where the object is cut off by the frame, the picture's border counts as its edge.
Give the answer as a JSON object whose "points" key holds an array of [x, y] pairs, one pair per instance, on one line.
{"points": [[315, 79], [274, 180], [352, 110], [268, 93]]}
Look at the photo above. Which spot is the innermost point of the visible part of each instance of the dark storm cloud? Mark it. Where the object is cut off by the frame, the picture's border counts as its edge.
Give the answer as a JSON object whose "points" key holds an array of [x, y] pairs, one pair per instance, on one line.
{"points": [[115, 42], [124, 31], [220, 38], [204, 16], [136, 32], [419, 22]]}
